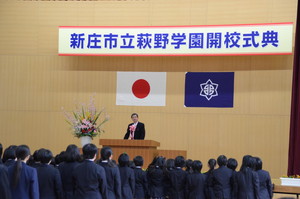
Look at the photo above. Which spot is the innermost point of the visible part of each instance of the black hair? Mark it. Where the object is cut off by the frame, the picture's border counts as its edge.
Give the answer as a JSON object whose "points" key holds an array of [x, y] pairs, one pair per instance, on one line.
{"points": [[89, 151], [45, 156], [179, 161], [123, 160], [22, 152], [138, 161], [1, 150], [170, 164], [131, 164], [188, 165], [222, 160], [106, 153], [134, 114], [232, 164], [212, 164], [9, 153], [259, 164], [157, 162], [59, 158], [72, 154], [196, 166], [247, 163]]}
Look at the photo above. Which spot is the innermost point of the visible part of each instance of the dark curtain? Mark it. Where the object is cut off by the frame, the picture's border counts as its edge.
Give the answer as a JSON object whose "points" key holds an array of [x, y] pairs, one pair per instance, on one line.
{"points": [[294, 146]]}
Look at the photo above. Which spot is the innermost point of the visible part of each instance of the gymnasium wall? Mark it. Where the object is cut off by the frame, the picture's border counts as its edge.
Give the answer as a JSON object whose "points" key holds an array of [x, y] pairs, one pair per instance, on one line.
{"points": [[35, 82]]}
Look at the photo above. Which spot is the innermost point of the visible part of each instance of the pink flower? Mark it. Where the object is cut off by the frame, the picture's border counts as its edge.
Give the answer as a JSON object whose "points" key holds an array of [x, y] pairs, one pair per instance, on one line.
{"points": [[132, 128]]}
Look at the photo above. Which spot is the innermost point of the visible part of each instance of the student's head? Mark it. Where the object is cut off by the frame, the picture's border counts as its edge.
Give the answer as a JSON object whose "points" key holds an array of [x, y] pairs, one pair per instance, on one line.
{"points": [[123, 160], [106, 153], [248, 162], [188, 164], [222, 160], [170, 164], [1, 150], [9, 153], [179, 161], [59, 158], [259, 164], [212, 164], [232, 164], [72, 154], [89, 151], [22, 153], [45, 156], [135, 117], [138, 161], [197, 166]]}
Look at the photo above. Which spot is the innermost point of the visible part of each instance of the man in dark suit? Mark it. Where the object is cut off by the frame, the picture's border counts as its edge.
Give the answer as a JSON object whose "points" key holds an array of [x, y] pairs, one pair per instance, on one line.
{"points": [[50, 185], [222, 179], [89, 177], [135, 130], [177, 177]]}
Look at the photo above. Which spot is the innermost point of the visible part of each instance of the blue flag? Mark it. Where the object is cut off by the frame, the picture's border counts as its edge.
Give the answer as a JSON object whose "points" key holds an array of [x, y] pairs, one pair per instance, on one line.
{"points": [[209, 89]]}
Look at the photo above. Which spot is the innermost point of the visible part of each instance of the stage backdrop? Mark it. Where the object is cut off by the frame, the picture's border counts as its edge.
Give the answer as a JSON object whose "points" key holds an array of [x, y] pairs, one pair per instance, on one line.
{"points": [[35, 82]]}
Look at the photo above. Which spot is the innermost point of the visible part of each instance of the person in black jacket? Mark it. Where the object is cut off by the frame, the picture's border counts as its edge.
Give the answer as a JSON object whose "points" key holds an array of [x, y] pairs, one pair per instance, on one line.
{"points": [[169, 166], [127, 177], [4, 183], [50, 185], [209, 183], [135, 130], [196, 182], [66, 168], [246, 182], [222, 179], [89, 178], [141, 182], [156, 178], [9, 155], [188, 166], [178, 179], [112, 173], [265, 183]]}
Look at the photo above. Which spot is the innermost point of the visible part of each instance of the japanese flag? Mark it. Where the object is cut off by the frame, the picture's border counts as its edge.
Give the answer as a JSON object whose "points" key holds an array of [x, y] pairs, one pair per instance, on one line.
{"points": [[141, 88]]}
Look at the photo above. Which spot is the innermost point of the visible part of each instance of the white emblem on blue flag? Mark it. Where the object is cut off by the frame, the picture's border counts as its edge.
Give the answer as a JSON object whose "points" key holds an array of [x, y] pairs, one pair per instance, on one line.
{"points": [[209, 89]]}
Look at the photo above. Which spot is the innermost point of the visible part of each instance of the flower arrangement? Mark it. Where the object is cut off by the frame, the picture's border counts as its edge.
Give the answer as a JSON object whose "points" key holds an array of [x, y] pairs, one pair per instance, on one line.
{"points": [[84, 119]]}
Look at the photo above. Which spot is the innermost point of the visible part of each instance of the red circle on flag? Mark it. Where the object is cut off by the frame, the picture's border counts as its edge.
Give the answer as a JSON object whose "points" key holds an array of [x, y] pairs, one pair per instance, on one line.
{"points": [[141, 88]]}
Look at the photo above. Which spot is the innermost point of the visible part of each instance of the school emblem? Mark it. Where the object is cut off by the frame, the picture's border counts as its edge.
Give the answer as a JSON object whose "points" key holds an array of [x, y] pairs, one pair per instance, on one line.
{"points": [[209, 89]]}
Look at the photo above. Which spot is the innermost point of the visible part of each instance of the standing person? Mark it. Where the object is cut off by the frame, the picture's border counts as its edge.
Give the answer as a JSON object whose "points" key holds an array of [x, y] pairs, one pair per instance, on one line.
{"points": [[4, 183], [23, 178], [178, 179], [232, 164], [89, 178], [246, 182], [222, 179], [50, 186], [196, 182], [209, 183], [127, 177], [169, 166], [141, 182], [265, 183], [112, 174], [188, 166], [135, 130], [155, 176], [66, 168]]}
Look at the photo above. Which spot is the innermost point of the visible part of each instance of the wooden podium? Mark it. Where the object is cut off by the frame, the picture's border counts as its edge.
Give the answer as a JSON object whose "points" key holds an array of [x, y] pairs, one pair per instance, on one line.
{"points": [[145, 148]]}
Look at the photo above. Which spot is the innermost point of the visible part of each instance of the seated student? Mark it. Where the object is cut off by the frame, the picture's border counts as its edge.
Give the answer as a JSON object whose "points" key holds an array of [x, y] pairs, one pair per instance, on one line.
{"points": [[50, 185], [4, 183], [177, 178], [112, 173], [66, 168], [209, 185], [169, 166], [246, 182], [222, 179], [127, 177], [89, 178], [23, 178], [188, 166], [265, 183], [141, 182], [196, 182], [9, 155]]}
